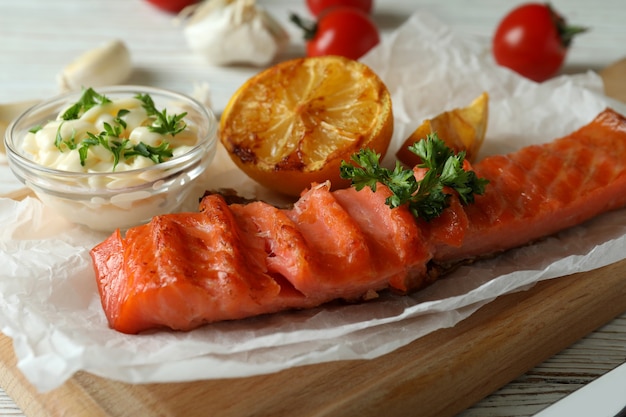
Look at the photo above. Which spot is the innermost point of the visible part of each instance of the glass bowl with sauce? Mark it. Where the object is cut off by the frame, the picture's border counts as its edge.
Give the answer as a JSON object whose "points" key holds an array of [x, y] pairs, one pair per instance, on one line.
{"points": [[114, 157]]}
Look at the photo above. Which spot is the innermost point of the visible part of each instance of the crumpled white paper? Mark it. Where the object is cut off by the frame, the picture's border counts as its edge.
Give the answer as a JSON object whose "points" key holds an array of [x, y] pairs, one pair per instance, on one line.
{"points": [[48, 298]]}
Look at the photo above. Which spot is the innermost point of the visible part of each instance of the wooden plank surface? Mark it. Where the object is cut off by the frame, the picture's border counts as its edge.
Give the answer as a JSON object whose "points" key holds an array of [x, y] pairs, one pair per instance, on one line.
{"points": [[439, 375]]}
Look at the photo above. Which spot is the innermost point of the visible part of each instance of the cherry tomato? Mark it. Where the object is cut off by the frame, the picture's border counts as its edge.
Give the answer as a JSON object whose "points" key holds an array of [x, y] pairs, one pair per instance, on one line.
{"points": [[533, 40], [172, 6], [341, 31], [317, 6]]}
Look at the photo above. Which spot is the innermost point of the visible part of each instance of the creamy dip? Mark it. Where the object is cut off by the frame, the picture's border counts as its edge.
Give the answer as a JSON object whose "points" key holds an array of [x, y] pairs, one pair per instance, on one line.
{"points": [[103, 135]]}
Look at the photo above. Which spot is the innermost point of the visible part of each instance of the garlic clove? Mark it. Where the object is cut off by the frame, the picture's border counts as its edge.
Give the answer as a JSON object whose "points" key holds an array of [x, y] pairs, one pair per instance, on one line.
{"points": [[108, 64], [234, 32]]}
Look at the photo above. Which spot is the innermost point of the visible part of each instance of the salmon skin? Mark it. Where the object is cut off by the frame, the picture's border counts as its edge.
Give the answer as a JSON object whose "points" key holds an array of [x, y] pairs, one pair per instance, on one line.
{"points": [[232, 261]]}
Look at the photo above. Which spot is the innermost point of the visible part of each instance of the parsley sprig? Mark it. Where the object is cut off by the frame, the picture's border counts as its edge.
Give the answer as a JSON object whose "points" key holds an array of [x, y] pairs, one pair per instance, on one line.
{"points": [[163, 123], [158, 154], [87, 100], [427, 197]]}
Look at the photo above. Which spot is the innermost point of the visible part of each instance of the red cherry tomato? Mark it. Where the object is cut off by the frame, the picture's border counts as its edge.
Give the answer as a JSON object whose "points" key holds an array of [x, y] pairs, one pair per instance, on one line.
{"points": [[341, 31], [533, 40], [317, 6], [172, 6]]}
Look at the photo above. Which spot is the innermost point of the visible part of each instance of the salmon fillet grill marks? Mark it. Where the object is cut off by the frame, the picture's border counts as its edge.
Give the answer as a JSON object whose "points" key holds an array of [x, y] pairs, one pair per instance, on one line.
{"points": [[340, 253], [180, 269], [323, 246], [397, 247], [280, 247], [234, 261], [543, 189]]}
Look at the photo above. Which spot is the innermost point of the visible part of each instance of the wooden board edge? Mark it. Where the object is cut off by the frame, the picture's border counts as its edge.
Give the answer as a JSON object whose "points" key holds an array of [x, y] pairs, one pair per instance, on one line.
{"points": [[458, 367], [69, 400], [440, 374], [614, 79]]}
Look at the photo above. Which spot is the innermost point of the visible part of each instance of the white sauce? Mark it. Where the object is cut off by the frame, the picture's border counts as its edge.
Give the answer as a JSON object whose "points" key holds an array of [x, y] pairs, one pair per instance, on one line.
{"points": [[42, 149]]}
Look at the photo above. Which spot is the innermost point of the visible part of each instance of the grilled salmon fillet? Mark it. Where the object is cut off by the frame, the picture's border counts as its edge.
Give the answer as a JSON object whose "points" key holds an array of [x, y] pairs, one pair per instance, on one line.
{"points": [[542, 189], [231, 261]]}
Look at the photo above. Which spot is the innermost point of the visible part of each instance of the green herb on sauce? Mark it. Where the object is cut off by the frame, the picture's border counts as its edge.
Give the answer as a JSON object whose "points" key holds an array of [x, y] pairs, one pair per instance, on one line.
{"points": [[163, 123], [87, 100], [113, 136]]}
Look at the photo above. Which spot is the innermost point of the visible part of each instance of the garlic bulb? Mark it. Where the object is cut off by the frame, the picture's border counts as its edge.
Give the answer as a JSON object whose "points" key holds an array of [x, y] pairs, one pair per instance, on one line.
{"points": [[234, 32], [108, 64]]}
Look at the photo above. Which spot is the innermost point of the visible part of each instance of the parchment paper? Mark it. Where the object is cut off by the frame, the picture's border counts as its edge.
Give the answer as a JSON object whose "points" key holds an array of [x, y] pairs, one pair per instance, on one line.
{"points": [[48, 298]]}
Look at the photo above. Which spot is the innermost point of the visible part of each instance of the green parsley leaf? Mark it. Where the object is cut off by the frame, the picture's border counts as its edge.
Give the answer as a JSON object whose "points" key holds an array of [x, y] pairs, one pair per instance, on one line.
{"points": [[114, 131], [425, 198], [88, 99], [163, 123], [59, 141], [89, 141], [118, 147], [438, 157], [157, 154], [118, 119], [58, 138]]}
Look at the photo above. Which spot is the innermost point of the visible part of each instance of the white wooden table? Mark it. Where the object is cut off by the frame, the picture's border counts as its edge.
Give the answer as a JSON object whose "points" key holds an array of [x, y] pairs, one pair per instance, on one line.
{"points": [[39, 37]]}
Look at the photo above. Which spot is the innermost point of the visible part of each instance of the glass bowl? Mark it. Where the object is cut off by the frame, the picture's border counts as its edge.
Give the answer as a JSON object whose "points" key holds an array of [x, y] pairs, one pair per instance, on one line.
{"points": [[106, 201]]}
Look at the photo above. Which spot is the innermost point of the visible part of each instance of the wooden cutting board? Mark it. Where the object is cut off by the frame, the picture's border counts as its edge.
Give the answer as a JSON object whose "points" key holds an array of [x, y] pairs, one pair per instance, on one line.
{"points": [[439, 375]]}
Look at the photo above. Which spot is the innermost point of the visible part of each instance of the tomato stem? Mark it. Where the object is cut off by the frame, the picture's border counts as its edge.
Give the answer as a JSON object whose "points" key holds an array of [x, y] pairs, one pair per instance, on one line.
{"points": [[308, 26], [566, 32]]}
